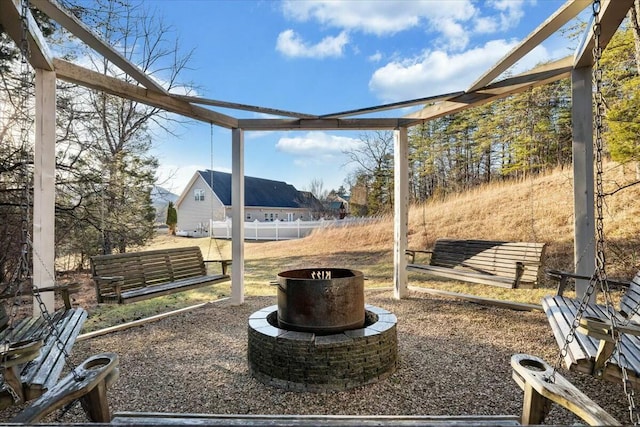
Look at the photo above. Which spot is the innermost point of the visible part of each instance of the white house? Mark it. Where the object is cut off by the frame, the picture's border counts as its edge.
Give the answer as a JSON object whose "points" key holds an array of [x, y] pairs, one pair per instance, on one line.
{"points": [[208, 197]]}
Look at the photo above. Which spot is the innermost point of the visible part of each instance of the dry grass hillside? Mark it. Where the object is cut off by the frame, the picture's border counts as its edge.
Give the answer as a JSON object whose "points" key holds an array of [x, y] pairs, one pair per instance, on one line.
{"points": [[535, 210]]}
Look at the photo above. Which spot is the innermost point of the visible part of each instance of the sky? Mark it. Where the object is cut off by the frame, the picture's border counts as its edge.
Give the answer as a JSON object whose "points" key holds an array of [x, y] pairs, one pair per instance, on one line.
{"points": [[328, 56]]}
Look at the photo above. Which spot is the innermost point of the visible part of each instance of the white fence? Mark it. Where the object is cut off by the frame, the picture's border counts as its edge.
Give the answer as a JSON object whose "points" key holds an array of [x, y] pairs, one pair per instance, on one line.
{"points": [[280, 230]]}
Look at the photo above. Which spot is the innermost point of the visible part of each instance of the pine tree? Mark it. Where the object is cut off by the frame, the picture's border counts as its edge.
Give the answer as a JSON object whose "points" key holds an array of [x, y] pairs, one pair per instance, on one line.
{"points": [[172, 218]]}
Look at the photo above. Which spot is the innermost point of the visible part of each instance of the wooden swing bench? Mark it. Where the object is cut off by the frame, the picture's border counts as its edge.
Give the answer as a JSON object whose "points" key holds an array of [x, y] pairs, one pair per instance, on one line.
{"points": [[136, 276], [496, 263], [592, 351], [32, 362]]}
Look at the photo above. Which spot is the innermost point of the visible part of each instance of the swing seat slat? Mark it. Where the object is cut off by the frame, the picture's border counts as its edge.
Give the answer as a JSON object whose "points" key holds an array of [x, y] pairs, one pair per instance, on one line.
{"points": [[584, 352], [41, 371]]}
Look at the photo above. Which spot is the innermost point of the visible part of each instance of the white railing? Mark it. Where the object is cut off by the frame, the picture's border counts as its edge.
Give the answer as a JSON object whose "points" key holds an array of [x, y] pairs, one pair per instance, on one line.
{"points": [[280, 230]]}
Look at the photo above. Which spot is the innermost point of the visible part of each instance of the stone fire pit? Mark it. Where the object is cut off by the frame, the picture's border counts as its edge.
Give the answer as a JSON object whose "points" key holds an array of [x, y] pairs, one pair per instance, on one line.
{"points": [[328, 345]]}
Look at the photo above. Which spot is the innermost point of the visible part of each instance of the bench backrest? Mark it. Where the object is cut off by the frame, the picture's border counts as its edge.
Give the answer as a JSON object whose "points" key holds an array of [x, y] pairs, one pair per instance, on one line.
{"points": [[148, 268], [491, 257], [630, 302]]}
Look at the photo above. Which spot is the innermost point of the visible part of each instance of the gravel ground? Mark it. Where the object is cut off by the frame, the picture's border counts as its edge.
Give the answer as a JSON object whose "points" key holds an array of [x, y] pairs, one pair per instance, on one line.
{"points": [[454, 358]]}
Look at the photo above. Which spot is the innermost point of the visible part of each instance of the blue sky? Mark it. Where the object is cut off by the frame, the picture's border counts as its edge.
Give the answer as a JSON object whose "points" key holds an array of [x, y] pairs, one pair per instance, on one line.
{"points": [[328, 56]]}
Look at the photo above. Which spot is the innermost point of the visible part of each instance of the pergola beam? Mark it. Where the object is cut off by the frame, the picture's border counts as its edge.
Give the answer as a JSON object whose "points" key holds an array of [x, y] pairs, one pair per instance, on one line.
{"points": [[610, 19], [392, 106], [11, 20], [321, 124], [79, 75], [563, 15], [52, 9], [541, 75], [245, 107]]}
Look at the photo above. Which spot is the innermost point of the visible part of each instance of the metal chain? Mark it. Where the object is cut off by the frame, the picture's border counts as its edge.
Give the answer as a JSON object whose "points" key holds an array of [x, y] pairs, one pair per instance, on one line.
{"points": [[22, 269], [600, 275], [53, 329], [600, 111]]}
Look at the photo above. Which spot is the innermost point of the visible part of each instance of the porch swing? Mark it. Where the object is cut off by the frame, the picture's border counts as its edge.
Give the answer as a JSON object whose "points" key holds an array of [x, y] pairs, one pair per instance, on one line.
{"points": [[598, 339], [34, 350]]}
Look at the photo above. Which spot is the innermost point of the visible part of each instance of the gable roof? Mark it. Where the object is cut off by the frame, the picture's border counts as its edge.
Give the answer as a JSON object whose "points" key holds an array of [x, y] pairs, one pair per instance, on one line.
{"points": [[258, 191]]}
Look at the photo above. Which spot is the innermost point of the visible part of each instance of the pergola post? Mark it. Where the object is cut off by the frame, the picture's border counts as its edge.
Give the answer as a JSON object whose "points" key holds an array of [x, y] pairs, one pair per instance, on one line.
{"points": [[583, 187], [401, 211], [44, 162], [237, 216]]}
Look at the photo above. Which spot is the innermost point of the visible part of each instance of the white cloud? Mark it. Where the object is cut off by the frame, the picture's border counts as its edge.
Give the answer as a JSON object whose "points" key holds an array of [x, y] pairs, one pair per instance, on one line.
{"points": [[510, 12], [376, 57], [437, 72], [381, 17], [486, 25], [291, 44], [316, 145], [453, 23]]}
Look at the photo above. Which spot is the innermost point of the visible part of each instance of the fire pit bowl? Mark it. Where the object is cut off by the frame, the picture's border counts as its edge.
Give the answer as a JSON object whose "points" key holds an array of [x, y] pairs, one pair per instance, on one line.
{"points": [[321, 300]]}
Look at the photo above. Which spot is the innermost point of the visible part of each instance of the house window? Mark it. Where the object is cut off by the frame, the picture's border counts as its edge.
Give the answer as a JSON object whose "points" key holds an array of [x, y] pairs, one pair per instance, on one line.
{"points": [[266, 217], [199, 194], [248, 217]]}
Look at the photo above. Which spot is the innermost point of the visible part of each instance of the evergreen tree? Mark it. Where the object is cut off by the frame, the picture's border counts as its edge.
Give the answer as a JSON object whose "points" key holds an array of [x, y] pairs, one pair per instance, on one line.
{"points": [[172, 218]]}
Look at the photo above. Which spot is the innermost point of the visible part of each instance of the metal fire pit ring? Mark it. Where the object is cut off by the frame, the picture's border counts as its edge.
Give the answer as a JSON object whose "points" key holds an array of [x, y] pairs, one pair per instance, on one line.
{"points": [[305, 361]]}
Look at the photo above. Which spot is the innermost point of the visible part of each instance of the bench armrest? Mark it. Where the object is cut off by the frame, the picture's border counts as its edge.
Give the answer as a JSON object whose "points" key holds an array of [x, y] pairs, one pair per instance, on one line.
{"points": [[63, 290], [114, 282], [412, 253], [601, 328], [533, 376], [224, 263], [562, 277]]}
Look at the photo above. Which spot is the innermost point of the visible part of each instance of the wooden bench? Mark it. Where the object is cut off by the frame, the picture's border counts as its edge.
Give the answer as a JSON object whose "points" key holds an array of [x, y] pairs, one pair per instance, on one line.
{"points": [[591, 349], [32, 356], [497, 263], [136, 276]]}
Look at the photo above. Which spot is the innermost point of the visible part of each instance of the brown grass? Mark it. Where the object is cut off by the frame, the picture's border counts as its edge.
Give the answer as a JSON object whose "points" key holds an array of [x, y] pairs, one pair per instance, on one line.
{"points": [[536, 210]]}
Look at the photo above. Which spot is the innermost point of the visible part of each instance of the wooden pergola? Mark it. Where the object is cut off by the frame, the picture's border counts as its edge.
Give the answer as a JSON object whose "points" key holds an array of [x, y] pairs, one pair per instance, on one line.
{"points": [[486, 89]]}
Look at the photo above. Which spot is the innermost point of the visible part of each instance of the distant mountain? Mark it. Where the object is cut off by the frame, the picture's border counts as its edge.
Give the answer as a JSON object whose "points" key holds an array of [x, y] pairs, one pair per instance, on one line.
{"points": [[159, 194], [160, 198]]}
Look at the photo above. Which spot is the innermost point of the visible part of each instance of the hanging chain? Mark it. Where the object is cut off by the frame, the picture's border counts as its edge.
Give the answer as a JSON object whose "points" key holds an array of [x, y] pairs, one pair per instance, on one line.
{"points": [[23, 271], [53, 329], [600, 271], [22, 268], [600, 274]]}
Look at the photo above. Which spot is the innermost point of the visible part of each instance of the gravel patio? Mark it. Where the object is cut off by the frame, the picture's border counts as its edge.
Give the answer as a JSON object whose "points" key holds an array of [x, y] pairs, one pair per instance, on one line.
{"points": [[454, 358]]}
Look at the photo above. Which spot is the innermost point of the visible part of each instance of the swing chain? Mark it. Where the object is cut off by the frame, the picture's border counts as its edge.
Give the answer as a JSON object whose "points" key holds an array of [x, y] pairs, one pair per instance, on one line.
{"points": [[22, 269], [600, 273]]}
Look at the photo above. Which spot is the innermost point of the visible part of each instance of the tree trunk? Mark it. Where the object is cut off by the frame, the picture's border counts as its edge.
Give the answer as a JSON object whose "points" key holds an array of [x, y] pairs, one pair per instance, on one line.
{"points": [[635, 25]]}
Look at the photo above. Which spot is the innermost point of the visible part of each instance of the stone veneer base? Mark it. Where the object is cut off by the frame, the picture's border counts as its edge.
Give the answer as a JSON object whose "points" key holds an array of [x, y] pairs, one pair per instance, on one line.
{"points": [[304, 361]]}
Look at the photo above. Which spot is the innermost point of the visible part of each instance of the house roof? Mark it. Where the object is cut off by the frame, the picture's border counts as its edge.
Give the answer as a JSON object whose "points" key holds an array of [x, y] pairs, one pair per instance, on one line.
{"points": [[258, 191]]}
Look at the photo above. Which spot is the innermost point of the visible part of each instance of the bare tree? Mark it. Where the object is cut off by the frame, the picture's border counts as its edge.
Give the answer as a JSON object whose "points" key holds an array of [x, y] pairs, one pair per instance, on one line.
{"points": [[118, 170], [374, 158], [316, 187]]}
